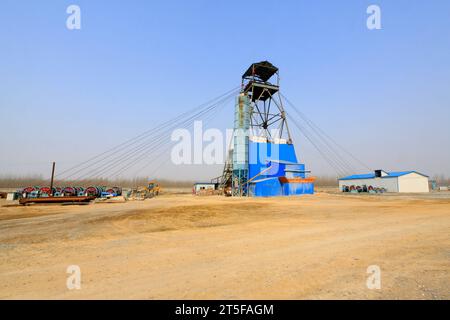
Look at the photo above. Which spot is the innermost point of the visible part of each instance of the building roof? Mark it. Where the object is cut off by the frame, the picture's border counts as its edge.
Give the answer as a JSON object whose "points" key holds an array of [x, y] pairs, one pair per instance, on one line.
{"points": [[263, 179], [285, 162], [263, 70], [372, 175]]}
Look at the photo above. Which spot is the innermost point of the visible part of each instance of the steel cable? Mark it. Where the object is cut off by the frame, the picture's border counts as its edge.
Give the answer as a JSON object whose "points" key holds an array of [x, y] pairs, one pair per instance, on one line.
{"points": [[134, 140]]}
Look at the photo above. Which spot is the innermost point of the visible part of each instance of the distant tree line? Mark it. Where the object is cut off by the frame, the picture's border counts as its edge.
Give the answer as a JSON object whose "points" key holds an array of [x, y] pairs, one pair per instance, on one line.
{"points": [[17, 182], [441, 180], [39, 180]]}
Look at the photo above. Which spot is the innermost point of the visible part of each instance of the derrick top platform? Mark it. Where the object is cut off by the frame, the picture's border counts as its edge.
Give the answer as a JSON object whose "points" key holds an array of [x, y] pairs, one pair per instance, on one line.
{"points": [[255, 81], [263, 71]]}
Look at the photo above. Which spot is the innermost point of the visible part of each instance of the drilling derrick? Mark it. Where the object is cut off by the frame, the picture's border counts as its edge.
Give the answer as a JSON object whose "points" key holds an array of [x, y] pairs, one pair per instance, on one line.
{"points": [[262, 159]]}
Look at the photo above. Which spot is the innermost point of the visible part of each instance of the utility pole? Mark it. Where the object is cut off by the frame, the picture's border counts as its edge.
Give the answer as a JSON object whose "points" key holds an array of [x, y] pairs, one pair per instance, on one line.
{"points": [[51, 181]]}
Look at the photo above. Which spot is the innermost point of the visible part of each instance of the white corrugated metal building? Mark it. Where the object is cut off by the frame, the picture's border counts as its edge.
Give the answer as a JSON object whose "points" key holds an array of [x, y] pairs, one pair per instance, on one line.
{"points": [[203, 187], [404, 181]]}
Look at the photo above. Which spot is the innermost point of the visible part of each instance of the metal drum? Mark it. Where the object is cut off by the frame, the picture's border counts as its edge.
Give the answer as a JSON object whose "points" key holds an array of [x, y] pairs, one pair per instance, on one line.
{"points": [[45, 192], [57, 191], [93, 191], [30, 192], [114, 191], [69, 192], [80, 191]]}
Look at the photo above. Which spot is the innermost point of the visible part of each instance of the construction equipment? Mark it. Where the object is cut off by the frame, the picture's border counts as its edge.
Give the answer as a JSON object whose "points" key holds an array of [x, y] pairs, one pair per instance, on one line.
{"points": [[153, 189], [141, 193]]}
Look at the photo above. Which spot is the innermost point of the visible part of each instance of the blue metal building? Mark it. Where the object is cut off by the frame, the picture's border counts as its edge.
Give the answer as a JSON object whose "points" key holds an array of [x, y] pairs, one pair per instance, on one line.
{"points": [[276, 173]]}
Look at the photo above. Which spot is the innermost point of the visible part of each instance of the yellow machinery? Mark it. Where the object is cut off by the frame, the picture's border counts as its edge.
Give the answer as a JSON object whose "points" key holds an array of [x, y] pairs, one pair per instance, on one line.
{"points": [[151, 190]]}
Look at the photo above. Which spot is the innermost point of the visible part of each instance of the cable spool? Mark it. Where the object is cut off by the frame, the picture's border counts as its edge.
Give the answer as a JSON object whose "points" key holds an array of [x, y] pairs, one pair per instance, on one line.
{"points": [[69, 192], [116, 191], [45, 192], [79, 191], [28, 190], [33, 192], [93, 191], [57, 191]]}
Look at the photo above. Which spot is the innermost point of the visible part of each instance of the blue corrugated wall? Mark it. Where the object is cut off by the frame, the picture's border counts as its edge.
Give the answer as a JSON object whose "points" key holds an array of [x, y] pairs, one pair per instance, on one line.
{"points": [[268, 184], [298, 188], [261, 153]]}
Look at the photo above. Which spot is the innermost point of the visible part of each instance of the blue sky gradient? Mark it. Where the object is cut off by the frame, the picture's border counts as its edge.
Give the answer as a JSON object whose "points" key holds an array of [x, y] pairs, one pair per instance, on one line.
{"points": [[67, 95]]}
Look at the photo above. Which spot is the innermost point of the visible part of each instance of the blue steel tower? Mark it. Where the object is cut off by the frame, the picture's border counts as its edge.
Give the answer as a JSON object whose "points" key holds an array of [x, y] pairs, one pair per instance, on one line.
{"points": [[262, 161], [268, 118]]}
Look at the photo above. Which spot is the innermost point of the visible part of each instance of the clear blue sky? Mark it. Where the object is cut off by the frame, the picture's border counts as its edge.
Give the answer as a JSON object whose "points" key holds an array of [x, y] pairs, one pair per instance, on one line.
{"points": [[67, 95]]}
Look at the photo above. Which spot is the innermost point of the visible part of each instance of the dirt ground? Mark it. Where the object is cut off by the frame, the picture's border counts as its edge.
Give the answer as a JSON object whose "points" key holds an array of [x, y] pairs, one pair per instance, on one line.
{"points": [[186, 247]]}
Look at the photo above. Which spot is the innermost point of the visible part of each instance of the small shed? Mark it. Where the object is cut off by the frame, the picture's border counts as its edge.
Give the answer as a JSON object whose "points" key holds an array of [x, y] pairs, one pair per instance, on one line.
{"points": [[202, 187]]}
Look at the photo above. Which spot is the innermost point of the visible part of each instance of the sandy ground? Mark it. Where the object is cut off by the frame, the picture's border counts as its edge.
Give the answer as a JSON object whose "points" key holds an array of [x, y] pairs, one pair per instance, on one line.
{"points": [[186, 247]]}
